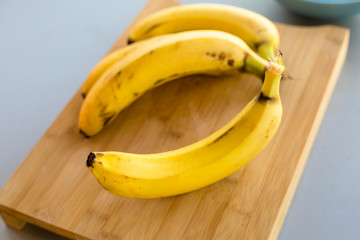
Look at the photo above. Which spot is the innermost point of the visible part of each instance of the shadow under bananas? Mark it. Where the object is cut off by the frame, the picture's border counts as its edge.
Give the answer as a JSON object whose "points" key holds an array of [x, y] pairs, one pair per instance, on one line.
{"points": [[178, 113]]}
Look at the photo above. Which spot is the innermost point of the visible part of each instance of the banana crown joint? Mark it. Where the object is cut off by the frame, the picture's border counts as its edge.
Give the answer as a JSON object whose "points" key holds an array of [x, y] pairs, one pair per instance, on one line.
{"points": [[275, 65], [275, 68]]}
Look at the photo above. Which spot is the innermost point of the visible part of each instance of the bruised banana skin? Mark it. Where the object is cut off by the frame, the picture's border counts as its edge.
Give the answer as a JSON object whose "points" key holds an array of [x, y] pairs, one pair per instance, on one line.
{"points": [[177, 55], [256, 30], [110, 59], [200, 164]]}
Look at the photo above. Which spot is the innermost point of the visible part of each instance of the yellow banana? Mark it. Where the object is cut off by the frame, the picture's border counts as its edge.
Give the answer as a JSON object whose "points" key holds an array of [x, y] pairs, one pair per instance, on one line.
{"points": [[256, 30], [110, 59], [199, 164], [177, 55]]}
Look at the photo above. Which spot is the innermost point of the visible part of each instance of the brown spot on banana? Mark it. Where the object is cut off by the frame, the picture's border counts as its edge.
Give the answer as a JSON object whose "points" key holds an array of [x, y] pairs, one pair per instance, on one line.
{"points": [[177, 45], [271, 128], [262, 98], [130, 41], [131, 76], [230, 62], [211, 54], [118, 74], [222, 56]]}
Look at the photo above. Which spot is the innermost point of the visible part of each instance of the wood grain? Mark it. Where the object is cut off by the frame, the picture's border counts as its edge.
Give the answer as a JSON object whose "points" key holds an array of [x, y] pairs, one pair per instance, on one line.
{"points": [[54, 190]]}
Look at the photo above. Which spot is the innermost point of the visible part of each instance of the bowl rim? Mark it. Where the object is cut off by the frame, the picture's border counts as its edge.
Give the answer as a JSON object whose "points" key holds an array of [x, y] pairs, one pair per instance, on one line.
{"points": [[323, 3]]}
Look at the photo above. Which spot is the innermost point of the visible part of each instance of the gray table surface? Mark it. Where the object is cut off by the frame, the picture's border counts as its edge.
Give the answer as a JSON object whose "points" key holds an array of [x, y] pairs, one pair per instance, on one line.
{"points": [[47, 49]]}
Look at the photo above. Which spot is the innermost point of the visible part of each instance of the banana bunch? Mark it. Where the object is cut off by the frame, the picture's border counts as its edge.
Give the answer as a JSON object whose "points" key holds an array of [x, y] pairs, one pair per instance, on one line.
{"points": [[208, 39], [259, 33]]}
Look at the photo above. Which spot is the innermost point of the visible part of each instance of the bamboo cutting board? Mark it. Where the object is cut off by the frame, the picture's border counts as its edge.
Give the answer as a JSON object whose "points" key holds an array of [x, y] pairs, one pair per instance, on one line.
{"points": [[54, 190]]}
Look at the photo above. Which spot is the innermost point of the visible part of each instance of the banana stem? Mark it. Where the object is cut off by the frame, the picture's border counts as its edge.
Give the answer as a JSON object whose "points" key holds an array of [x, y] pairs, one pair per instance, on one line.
{"points": [[273, 74], [256, 65]]}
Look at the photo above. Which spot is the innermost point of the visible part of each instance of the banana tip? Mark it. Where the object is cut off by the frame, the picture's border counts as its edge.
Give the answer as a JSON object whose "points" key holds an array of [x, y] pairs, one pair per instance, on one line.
{"points": [[84, 134], [130, 41], [90, 159]]}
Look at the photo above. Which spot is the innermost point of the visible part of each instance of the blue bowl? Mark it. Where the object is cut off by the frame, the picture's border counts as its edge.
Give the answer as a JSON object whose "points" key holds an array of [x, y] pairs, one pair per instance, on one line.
{"points": [[324, 9]]}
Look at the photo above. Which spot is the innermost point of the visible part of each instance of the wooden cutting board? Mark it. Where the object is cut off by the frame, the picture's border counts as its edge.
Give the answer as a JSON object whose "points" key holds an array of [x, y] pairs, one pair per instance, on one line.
{"points": [[54, 190]]}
